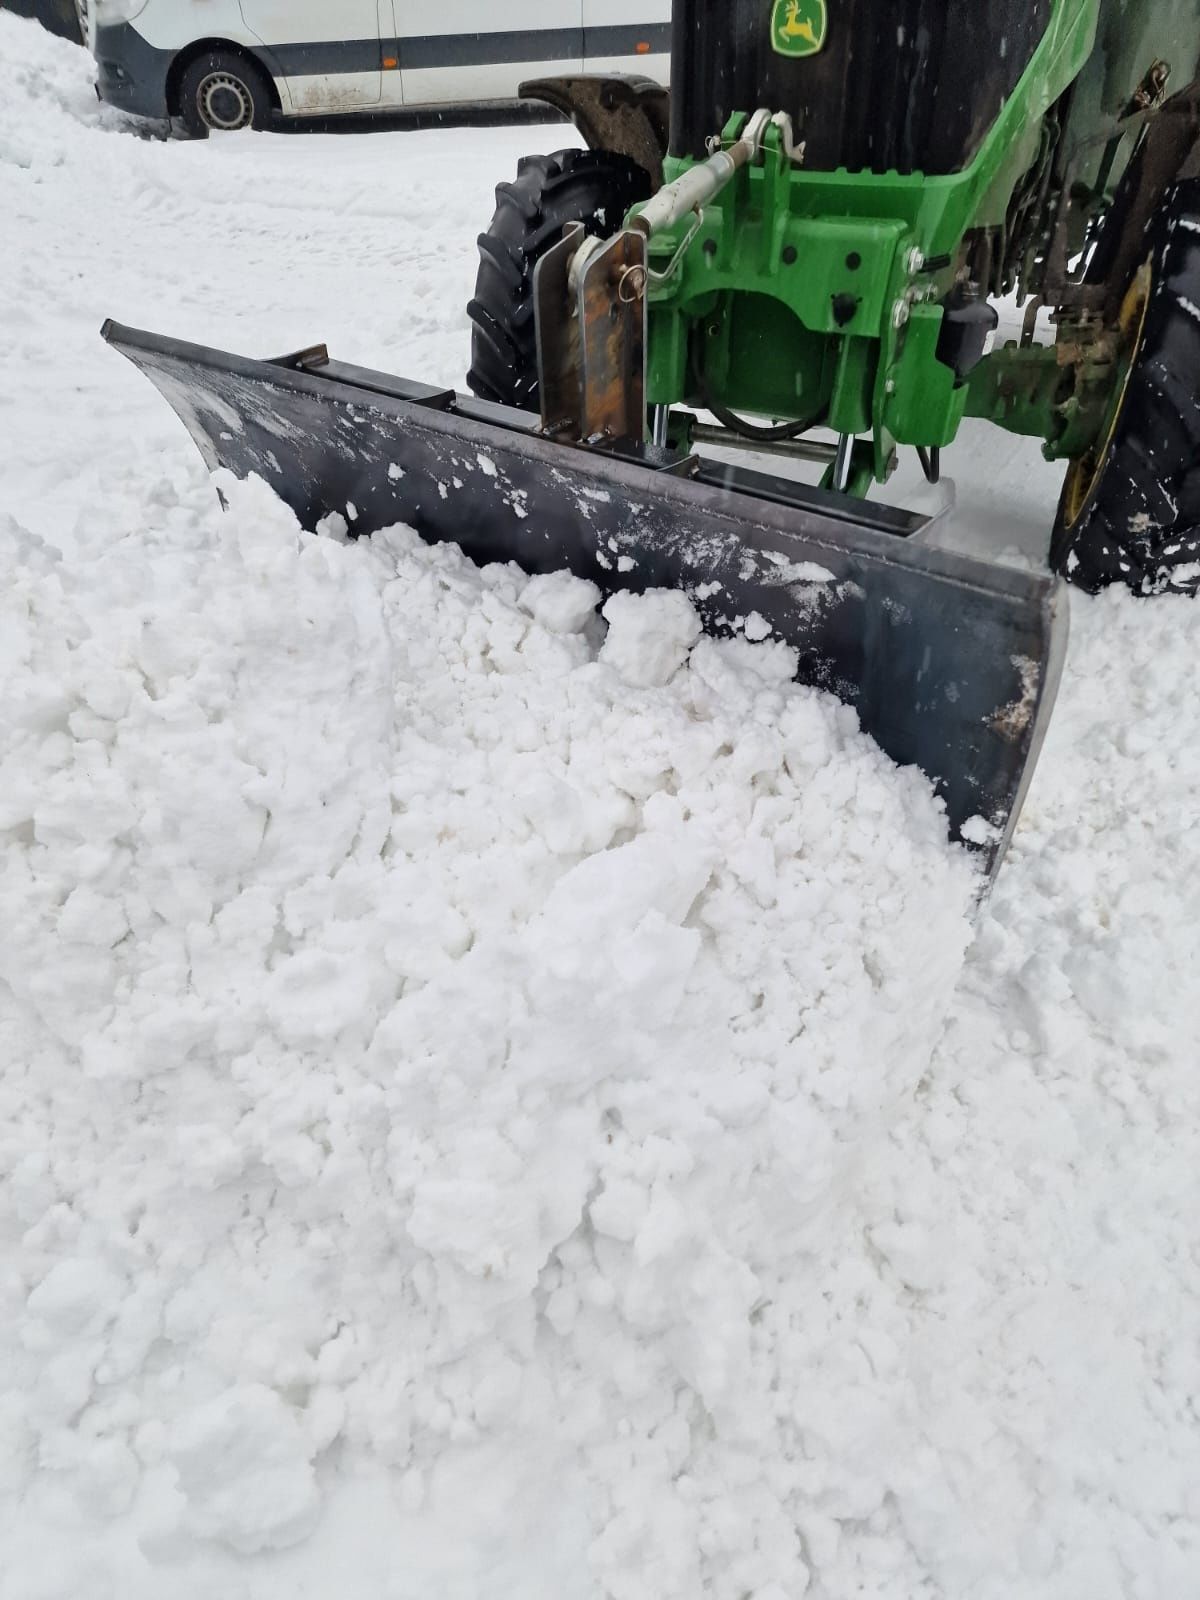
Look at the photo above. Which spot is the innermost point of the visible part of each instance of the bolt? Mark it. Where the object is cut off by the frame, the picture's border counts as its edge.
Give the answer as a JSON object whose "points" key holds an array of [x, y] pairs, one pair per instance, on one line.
{"points": [[899, 313], [890, 386], [914, 261]]}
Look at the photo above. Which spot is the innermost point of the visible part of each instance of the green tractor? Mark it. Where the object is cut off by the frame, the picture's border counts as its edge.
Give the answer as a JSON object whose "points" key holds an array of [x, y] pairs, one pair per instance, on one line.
{"points": [[921, 159], [809, 234]]}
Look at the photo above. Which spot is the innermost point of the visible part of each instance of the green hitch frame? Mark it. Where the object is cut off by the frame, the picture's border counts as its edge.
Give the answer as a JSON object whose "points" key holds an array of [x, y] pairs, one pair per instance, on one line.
{"points": [[815, 297]]}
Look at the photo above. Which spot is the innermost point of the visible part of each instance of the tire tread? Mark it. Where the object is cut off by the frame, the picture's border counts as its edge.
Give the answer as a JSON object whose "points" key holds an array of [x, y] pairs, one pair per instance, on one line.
{"points": [[1141, 524], [595, 187]]}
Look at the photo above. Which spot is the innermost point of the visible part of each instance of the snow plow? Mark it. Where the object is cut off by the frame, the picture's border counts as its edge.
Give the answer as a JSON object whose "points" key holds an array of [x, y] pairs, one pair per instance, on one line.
{"points": [[823, 260], [950, 663]]}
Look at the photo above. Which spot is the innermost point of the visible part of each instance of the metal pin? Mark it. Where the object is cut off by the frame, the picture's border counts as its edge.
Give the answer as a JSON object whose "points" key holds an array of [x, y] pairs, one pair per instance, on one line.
{"points": [[841, 462]]}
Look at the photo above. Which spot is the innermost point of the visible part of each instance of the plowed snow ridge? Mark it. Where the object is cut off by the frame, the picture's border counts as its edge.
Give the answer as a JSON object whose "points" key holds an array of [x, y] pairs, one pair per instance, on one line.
{"points": [[476, 1123]]}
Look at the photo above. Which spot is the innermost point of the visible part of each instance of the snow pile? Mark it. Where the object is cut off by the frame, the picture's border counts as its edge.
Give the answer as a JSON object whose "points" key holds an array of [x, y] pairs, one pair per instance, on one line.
{"points": [[433, 1042], [55, 80]]}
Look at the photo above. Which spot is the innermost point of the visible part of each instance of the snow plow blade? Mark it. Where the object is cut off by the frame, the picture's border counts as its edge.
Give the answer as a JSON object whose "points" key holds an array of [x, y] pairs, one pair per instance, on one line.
{"points": [[951, 663]]}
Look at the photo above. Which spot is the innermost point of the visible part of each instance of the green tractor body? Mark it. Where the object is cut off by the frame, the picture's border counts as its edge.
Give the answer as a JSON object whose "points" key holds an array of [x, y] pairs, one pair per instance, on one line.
{"points": [[850, 288], [924, 159]]}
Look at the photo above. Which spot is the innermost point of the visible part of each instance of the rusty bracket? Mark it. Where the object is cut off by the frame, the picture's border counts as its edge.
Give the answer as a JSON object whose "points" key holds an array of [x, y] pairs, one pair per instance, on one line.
{"points": [[589, 301]]}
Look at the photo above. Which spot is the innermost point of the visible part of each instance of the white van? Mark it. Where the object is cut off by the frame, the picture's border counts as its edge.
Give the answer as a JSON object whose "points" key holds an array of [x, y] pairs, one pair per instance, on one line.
{"points": [[227, 64]]}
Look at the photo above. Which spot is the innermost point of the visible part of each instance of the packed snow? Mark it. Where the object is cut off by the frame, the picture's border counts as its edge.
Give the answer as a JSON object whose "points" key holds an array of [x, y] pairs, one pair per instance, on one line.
{"points": [[502, 1095]]}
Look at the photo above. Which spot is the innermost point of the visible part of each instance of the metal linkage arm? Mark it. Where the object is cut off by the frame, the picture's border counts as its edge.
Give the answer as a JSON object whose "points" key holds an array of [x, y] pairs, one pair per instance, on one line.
{"points": [[701, 182]]}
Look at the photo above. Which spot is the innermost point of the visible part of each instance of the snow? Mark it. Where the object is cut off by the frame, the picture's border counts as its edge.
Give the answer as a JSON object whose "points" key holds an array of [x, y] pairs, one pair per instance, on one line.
{"points": [[649, 636], [495, 1103], [422, 1009], [560, 601]]}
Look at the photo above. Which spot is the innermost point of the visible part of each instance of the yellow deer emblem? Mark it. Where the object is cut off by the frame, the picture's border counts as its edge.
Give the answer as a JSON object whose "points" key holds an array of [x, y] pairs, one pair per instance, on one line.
{"points": [[793, 28], [798, 27]]}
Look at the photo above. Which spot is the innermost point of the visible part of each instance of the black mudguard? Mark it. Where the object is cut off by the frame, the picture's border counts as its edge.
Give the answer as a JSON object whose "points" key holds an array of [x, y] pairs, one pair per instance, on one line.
{"points": [[950, 663], [619, 112]]}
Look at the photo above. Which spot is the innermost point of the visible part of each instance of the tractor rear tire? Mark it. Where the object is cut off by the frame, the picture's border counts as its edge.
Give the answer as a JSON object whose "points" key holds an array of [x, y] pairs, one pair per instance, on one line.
{"points": [[1132, 515], [595, 187]]}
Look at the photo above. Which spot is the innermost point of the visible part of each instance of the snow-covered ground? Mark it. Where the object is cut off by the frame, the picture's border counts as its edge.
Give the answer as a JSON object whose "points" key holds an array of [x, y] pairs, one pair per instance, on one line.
{"points": [[477, 1119]]}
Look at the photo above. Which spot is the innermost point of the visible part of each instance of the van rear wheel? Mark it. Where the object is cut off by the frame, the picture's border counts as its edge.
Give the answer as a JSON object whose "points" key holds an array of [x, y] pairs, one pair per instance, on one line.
{"points": [[222, 92]]}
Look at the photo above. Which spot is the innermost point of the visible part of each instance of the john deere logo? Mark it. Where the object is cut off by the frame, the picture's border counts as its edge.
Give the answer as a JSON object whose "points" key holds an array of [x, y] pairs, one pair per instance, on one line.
{"points": [[798, 27]]}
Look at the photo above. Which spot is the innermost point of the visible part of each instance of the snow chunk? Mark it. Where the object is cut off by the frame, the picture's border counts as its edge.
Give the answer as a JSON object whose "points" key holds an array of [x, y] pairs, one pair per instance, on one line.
{"points": [[649, 635], [244, 1470], [560, 601], [979, 831], [74, 1295]]}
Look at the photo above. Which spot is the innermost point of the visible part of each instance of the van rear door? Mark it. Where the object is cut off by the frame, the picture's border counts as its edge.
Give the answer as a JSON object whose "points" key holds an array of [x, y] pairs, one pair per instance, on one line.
{"points": [[325, 53], [464, 50]]}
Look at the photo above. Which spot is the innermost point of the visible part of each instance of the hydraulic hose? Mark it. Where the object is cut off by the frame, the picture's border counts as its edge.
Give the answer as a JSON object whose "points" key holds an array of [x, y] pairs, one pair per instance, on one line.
{"points": [[731, 420]]}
